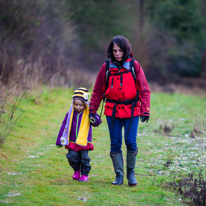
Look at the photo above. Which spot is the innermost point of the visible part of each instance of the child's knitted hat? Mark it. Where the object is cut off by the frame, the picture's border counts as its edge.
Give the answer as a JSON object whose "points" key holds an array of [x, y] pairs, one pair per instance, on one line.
{"points": [[81, 93]]}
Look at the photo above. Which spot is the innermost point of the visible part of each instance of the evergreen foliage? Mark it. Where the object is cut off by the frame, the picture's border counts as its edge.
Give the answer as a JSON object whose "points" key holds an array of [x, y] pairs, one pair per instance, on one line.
{"points": [[97, 22], [180, 17], [181, 30]]}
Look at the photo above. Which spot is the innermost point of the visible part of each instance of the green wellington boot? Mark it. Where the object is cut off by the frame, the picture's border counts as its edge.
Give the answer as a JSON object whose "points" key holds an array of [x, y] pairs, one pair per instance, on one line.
{"points": [[131, 160], [117, 160]]}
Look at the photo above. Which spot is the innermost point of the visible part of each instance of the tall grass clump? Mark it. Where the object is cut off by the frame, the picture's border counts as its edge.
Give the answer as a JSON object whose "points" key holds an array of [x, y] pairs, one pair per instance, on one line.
{"points": [[191, 187], [9, 113]]}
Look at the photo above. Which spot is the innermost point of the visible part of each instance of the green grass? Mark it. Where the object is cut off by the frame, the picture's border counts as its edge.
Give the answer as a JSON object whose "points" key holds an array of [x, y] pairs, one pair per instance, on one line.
{"points": [[34, 172]]}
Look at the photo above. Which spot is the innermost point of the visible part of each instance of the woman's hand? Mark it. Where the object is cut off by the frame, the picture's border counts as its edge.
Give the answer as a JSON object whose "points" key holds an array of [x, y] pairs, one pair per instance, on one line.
{"points": [[92, 118], [144, 118]]}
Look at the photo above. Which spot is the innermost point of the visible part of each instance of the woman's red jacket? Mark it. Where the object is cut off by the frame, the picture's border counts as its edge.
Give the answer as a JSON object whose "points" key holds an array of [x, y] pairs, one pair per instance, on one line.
{"points": [[126, 91]]}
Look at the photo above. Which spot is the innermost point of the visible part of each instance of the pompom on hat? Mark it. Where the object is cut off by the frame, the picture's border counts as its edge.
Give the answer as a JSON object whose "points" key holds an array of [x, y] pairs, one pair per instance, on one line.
{"points": [[81, 93]]}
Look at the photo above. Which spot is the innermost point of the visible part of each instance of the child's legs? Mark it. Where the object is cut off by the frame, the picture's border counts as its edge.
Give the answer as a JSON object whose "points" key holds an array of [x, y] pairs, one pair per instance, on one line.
{"points": [[74, 159], [131, 140], [115, 134], [84, 162]]}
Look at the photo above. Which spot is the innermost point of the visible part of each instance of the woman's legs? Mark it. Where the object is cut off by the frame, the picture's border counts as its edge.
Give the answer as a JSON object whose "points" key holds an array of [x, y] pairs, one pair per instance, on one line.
{"points": [[131, 140], [132, 150], [116, 152], [115, 134]]}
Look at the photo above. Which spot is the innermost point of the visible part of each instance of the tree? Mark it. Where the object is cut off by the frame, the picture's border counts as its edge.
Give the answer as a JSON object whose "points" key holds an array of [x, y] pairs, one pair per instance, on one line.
{"points": [[96, 23], [179, 35]]}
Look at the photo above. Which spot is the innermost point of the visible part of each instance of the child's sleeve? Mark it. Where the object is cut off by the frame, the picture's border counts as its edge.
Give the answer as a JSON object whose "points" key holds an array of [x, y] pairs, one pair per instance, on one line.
{"points": [[58, 142], [97, 122]]}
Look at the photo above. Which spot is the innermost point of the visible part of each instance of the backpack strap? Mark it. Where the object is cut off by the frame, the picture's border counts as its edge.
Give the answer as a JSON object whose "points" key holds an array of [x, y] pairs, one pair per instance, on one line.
{"points": [[132, 69], [107, 80], [107, 70], [108, 74]]}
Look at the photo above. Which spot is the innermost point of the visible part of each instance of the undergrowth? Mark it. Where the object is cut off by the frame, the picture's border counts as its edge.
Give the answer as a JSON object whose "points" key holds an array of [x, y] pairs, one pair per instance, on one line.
{"points": [[9, 113], [191, 188]]}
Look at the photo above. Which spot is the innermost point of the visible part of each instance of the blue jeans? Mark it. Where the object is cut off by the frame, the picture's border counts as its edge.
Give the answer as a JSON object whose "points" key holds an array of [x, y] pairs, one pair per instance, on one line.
{"points": [[116, 133]]}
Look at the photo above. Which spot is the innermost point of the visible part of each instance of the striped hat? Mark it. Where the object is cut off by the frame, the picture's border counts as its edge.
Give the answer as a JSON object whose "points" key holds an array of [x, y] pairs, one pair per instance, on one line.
{"points": [[81, 93]]}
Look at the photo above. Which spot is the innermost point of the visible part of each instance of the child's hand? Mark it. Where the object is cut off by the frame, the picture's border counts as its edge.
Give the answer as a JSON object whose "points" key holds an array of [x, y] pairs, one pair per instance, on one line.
{"points": [[58, 146], [95, 119], [92, 118]]}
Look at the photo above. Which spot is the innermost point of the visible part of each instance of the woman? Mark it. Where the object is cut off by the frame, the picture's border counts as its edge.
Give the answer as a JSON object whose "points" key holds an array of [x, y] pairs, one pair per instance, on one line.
{"points": [[127, 93]]}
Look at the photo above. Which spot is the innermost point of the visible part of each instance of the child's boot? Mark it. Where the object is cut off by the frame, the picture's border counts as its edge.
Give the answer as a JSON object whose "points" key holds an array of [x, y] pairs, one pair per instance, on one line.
{"points": [[85, 166], [131, 159], [76, 175], [117, 160], [84, 178]]}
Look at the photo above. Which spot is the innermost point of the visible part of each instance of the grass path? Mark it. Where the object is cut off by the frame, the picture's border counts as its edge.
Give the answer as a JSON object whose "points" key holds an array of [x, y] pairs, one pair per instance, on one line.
{"points": [[34, 172]]}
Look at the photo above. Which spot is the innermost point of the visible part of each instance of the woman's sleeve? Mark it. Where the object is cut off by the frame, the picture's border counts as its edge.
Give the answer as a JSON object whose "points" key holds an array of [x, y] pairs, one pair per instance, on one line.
{"points": [[58, 142], [99, 89], [144, 90]]}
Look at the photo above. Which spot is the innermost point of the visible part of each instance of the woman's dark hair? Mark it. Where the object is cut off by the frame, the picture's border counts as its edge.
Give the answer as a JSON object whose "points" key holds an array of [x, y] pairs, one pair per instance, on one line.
{"points": [[123, 43]]}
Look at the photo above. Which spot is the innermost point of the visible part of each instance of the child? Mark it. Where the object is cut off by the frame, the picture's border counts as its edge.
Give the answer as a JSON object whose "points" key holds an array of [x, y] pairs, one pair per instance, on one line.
{"points": [[76, 134]]}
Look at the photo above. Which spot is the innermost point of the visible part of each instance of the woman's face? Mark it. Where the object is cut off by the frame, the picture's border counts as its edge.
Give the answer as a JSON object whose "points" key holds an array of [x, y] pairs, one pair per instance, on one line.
{"points": [[79, 105], [118, 53]]}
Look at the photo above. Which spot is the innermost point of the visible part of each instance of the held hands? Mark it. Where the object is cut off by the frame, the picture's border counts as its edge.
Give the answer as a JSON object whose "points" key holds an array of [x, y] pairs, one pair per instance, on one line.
{"points": [[95, 119], [144, 118], [92, 118]]}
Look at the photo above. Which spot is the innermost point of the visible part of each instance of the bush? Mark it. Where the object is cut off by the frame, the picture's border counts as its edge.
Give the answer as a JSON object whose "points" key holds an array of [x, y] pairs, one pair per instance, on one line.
{"points": [[34, 43], [9, 114]]}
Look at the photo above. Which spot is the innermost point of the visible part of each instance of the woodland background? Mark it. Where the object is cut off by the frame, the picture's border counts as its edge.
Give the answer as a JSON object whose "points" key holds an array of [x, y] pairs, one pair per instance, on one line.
{"points": [[63, 42]]}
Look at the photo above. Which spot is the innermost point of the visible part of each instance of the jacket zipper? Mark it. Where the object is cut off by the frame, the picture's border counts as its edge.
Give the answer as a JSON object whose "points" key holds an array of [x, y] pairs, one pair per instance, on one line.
{"points": [[77, 124]]}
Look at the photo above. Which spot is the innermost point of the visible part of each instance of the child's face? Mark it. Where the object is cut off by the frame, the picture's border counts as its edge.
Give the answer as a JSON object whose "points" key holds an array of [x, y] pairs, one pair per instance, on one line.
{"points": [[79, 105]]}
